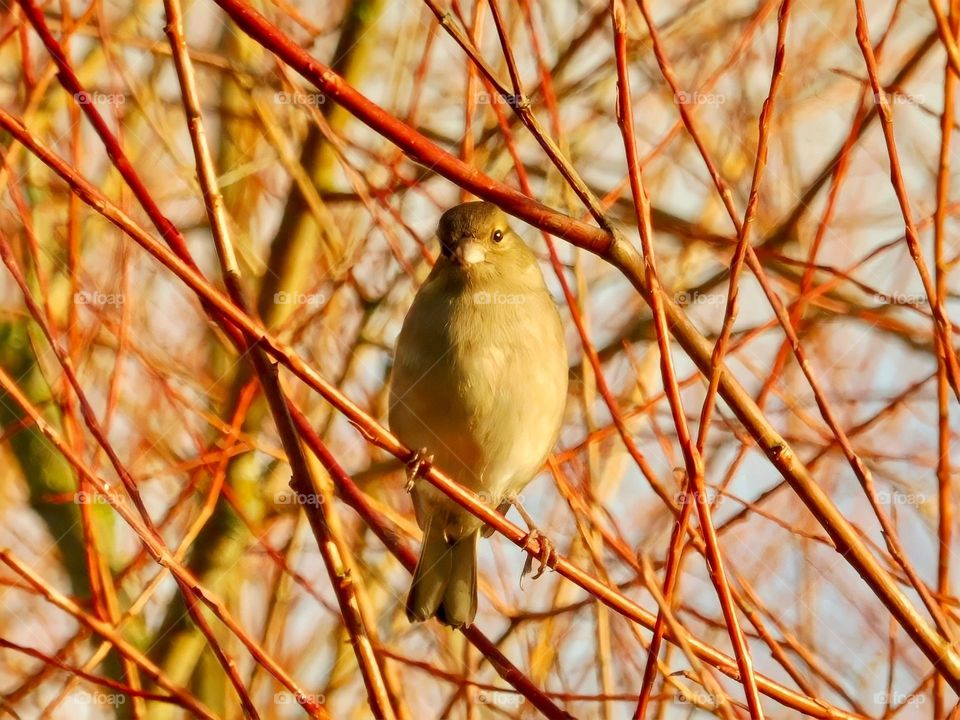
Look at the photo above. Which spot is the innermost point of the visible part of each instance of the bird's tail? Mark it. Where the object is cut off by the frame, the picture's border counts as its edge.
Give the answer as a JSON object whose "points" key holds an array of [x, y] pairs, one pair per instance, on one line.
{"points": [[445, 581]]}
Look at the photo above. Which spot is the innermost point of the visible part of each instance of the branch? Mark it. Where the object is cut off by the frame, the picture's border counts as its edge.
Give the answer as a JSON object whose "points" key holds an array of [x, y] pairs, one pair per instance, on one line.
{"points": [[626, 259]]}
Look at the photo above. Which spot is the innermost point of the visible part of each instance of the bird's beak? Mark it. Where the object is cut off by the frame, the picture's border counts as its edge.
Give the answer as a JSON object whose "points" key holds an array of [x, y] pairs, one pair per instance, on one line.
{"points": [[469, 252]]}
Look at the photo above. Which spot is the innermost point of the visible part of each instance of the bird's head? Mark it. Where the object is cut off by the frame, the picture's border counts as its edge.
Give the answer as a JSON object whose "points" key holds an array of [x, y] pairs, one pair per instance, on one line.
{"points": [[476, 235]]}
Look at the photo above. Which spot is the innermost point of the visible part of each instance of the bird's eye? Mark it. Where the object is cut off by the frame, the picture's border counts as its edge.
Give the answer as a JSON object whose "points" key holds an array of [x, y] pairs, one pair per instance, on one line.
{"points": [[497, 235]]}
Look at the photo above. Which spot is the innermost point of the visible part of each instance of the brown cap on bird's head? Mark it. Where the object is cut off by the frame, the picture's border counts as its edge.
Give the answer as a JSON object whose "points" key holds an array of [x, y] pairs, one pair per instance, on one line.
{"points": [[466, 219], [468, 231]]}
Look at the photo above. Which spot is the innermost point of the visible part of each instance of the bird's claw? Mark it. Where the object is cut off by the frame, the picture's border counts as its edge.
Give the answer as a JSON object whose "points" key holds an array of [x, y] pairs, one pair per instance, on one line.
{"points": [[421, 461], [547, 555]]}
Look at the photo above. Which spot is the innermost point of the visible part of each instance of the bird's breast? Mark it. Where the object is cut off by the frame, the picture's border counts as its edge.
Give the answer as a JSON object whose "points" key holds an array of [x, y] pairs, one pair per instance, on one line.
{"points": [[480, 379]]}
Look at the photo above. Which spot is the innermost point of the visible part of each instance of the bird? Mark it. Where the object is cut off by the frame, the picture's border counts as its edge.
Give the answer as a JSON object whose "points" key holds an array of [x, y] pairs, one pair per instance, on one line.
{"points": [[479, 380]]}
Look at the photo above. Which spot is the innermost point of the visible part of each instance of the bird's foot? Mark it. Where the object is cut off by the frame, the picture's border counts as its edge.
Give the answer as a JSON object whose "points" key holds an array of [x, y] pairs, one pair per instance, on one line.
{"points": [[420, 462], [547, 556]]}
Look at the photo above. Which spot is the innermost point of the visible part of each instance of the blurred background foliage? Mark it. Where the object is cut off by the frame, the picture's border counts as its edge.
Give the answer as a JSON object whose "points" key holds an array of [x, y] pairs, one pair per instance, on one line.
{"points": [[334, 230]]}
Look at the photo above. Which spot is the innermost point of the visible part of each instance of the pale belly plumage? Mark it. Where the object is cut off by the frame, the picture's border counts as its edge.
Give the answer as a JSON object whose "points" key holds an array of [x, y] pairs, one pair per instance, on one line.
{"points": [[482, 386]]}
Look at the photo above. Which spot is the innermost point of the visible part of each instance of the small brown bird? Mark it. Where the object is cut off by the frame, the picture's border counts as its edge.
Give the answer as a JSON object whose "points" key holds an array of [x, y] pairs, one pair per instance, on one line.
{"points": [[479, 378]]}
